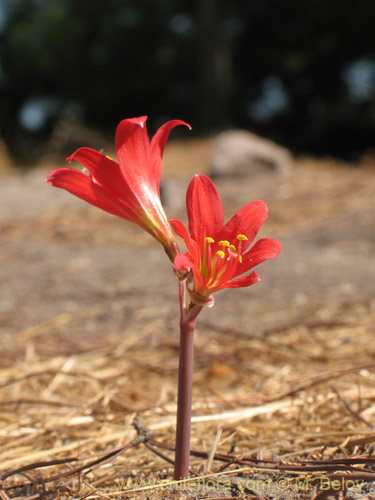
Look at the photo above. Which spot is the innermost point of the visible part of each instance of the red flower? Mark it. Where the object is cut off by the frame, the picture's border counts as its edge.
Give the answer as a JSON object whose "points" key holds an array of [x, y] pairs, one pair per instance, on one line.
{"points": [[218, 255], [129, 188]]}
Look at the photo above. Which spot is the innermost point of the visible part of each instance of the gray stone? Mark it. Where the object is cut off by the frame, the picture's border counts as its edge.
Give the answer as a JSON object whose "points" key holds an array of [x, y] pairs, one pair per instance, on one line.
{"points": [[242, 153]]}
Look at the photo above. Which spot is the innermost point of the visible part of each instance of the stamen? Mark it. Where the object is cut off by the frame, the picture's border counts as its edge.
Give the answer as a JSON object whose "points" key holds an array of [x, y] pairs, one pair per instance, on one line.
{"points": [[241, 238], [227, 270], [206, 258], [230, 253], [224, 243], [217, 268], [232, 248]]}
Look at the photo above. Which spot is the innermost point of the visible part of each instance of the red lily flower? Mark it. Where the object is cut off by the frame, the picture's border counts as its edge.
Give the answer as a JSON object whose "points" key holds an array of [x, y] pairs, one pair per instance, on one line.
{"points": [[218, 255], [129, 188]]}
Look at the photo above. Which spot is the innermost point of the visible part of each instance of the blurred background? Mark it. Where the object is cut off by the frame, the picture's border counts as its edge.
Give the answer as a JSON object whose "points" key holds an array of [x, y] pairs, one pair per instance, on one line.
{"points": [[299, 73]]}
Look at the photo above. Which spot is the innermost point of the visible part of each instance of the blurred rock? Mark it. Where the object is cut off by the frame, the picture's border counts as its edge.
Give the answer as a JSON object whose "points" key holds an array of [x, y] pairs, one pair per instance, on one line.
{"points": [[242, 153]]}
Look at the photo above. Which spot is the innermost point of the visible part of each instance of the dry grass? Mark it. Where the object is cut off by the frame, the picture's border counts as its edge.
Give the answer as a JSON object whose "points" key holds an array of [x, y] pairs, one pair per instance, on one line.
{"points": [[301, 393]]}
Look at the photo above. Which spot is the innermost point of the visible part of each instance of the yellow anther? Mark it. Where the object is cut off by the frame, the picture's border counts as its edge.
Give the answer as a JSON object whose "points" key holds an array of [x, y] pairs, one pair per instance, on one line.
{"points": [[240, 258], [224, 243], [232, 248], [242, 237], [209, 240], [109, 158], [221, 254]]}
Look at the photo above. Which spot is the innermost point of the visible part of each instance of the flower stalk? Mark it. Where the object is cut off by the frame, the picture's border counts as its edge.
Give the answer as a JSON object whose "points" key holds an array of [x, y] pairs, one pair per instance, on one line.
{"points": [[188, 319]]}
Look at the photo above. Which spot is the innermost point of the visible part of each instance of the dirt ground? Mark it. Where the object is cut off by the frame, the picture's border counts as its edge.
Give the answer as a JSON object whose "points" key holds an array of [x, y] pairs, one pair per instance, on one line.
{"points": [[89, 338]]}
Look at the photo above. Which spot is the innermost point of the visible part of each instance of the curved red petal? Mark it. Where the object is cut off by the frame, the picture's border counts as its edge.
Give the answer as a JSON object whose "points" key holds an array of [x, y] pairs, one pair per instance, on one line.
{"points": [[263, 249], [92, 159], [246, 221], [204, 209], [160, 138], [180, 229], [158, 143], [106, 171], [247, 280], [134, 153], [83, 187]]}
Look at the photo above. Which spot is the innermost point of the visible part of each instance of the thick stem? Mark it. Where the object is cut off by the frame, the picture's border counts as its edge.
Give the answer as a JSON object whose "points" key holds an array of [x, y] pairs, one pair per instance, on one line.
{"points": [[185, 383]]}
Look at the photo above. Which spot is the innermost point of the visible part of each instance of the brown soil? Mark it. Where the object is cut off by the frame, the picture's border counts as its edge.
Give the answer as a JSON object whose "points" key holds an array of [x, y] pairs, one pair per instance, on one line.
{"points": [[89, 338]]}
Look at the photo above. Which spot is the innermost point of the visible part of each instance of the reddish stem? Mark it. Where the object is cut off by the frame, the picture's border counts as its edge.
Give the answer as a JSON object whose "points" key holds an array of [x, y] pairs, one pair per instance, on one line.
{"points": [[189, 313]]}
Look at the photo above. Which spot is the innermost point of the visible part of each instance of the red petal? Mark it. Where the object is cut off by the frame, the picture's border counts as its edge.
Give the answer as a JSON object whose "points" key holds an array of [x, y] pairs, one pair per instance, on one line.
{"points": [[246, 221], [182, 262], [181, 230], [158, 143], [106, 171], [92, 159], [83, 187], [264, 249], [204, 208], [134, 153], [248, 280], [200, 286]]}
